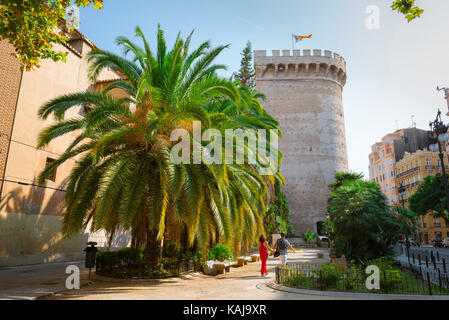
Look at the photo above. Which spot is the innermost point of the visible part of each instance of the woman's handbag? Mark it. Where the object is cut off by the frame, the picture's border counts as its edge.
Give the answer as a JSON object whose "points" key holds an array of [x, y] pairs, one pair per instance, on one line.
{"points": [[276, 253]]}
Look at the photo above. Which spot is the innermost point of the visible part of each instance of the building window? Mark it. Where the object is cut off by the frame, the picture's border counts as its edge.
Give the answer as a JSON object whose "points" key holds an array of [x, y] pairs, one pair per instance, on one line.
{"points": [[436, 223], [428, 162], [52, 176]]}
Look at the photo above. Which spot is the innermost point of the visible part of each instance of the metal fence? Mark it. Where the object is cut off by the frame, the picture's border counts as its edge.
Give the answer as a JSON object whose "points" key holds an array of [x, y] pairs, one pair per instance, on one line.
{"points": [[332, 278], [126, 267]]}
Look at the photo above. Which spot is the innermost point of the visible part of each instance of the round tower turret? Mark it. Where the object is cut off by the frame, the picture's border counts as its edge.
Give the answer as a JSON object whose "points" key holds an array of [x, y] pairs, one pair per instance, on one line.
{"points": [[304, 93]]}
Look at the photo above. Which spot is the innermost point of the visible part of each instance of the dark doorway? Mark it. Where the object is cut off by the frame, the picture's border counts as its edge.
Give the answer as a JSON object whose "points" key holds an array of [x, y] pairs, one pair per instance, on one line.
{"points": [[319, 228]]}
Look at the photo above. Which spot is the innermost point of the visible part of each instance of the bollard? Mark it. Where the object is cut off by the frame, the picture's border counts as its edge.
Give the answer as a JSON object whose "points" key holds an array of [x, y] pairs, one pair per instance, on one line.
{"points": [[419, 259], [429, 284], [444, 265], [438, 256], [427, 262], [413, 258]]}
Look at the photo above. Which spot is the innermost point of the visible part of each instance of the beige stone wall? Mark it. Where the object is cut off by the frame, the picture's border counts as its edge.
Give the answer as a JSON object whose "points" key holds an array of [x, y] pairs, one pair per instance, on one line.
{"points": [[304, 93], [10, 76], [31, 215]]}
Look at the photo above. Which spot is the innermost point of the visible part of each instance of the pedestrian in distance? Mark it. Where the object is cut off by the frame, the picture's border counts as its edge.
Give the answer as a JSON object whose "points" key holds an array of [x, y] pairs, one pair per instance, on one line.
{"points": [[263, 252], [281, 246]]}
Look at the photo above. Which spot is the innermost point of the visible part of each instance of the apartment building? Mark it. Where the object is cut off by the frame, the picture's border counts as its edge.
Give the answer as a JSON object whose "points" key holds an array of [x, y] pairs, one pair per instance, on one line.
{"points": [[412, 169], [386, 153]]}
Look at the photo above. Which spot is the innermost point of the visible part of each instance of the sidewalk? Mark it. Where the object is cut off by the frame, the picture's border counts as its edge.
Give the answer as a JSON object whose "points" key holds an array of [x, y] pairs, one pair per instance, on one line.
{"points": [[30, 282], [242, 283]]}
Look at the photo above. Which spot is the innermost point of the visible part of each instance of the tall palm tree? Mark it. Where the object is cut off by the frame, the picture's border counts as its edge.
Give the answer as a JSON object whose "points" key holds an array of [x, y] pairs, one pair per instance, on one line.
{"points": [[125, 177]]}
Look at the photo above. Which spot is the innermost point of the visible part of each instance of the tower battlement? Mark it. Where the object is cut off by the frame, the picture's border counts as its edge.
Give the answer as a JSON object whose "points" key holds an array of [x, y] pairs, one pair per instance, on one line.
{"points": [[300, 64]]}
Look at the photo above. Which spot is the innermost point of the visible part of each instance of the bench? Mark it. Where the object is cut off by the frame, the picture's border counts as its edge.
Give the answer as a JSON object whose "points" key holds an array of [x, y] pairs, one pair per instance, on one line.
{"points": [[255, 257], [241, 261], [222, 267]]}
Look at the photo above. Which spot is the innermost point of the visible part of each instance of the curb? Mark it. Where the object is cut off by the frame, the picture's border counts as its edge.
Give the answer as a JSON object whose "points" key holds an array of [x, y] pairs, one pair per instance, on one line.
{"points": [[54, 293], [119, 280], [370, 296]]}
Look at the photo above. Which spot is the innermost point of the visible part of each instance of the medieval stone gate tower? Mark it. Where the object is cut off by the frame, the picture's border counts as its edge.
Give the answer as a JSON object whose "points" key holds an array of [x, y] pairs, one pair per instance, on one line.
{"points": [[304, 93]]}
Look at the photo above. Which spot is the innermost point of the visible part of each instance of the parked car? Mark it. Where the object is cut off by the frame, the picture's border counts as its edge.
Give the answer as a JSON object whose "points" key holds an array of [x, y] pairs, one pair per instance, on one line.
{"points": [[438, 243], [446, 242], [411, 241]]}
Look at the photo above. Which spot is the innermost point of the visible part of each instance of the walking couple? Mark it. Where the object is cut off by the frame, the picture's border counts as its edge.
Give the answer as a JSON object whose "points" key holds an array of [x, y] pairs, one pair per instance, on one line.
{"points": [[279, 249]]}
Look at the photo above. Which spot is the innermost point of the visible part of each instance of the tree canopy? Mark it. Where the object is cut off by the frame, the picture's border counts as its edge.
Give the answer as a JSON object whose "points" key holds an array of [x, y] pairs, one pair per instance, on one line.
{"points": [[34, 27], [246, 75], [430, 196], [125, 177], [407, 8], [362, 224]]}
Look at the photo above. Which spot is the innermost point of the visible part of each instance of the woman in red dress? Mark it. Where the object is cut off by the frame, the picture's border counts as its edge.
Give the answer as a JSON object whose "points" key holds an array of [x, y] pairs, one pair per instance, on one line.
{"points": [[263, 251]]}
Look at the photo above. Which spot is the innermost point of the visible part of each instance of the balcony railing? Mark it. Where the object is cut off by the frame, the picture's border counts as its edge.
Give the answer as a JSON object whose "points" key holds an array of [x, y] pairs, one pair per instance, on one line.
{"points": [[402, 174]]}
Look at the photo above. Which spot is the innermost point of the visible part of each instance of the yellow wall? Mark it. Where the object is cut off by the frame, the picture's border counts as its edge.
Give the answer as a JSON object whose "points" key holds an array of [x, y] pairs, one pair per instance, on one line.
{"points": [[428, 165]]}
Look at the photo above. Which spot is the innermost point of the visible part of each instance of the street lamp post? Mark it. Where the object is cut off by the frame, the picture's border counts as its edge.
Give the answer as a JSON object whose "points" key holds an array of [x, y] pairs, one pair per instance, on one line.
{"points": [[437, 135], [402, 194]]}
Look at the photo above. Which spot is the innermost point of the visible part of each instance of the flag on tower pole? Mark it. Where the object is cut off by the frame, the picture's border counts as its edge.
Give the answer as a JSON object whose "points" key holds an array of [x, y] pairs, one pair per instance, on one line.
{"points": [[300, 38]]}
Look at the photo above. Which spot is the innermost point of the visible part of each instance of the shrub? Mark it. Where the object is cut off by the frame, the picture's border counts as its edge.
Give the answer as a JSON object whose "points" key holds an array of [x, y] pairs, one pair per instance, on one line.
{"points": [[170, 250], [220, 252], [310, 237]]}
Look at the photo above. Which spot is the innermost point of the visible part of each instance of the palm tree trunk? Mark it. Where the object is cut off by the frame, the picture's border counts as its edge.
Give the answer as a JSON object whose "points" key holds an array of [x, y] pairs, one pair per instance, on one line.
{"points": [[153, 250]]}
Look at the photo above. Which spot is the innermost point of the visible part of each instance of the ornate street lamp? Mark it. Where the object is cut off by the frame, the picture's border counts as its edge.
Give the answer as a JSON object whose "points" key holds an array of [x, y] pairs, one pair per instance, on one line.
{"points": [[446, 92], [437, 135], [402, 194]]}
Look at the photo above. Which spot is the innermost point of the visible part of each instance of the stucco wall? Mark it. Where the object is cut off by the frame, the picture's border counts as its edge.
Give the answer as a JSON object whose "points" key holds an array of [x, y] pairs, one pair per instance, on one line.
{"points": [[304, 93], [31, 215], [10, 77]]}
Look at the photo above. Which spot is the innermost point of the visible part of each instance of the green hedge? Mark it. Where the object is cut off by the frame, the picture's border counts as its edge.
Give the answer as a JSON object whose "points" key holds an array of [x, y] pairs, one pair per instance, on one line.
{"points": [[220, 252]]}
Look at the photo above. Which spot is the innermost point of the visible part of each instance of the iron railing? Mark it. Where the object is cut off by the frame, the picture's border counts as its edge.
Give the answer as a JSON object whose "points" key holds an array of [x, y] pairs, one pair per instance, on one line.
{"points": [[126, 267], [393, 281]]}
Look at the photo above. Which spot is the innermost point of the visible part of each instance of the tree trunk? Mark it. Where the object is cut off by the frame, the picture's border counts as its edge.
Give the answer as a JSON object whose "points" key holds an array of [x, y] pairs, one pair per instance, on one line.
{"points": [[153, 250]]}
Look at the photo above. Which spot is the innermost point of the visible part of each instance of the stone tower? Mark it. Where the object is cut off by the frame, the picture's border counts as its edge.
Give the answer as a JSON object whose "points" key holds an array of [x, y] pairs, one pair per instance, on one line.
{"points": [[304, 93]]}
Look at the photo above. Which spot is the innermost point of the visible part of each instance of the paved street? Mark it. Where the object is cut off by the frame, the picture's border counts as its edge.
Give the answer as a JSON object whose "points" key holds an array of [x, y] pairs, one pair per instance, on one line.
{"points": [[29, 282], [243, 283], [240, 284]]}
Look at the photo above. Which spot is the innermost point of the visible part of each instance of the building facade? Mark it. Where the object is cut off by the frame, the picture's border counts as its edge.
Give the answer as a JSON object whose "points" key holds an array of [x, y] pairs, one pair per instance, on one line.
{"points": [[304, 93], [31, 214], [386, 153], [411, 171]]}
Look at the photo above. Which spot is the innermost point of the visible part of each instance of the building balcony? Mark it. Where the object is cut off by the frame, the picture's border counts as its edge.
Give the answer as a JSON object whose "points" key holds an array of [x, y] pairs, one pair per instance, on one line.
{"points": [[402, 174]]}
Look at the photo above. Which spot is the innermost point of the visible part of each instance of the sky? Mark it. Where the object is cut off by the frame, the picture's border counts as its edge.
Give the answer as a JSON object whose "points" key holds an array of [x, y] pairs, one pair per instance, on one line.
{"points": [[393, 71]]}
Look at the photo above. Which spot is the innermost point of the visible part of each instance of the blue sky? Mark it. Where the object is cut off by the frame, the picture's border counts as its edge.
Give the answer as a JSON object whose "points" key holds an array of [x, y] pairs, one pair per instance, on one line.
{"points": [[393, 72]]}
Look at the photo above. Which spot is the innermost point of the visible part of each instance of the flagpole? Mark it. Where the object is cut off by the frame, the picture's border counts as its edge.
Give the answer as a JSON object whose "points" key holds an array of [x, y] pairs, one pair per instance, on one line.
{"points": [[293, 45]]}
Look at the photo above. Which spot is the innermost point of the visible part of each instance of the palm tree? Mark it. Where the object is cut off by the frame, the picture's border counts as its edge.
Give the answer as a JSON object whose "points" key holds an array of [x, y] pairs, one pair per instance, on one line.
{"points": [[124, 177]]}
